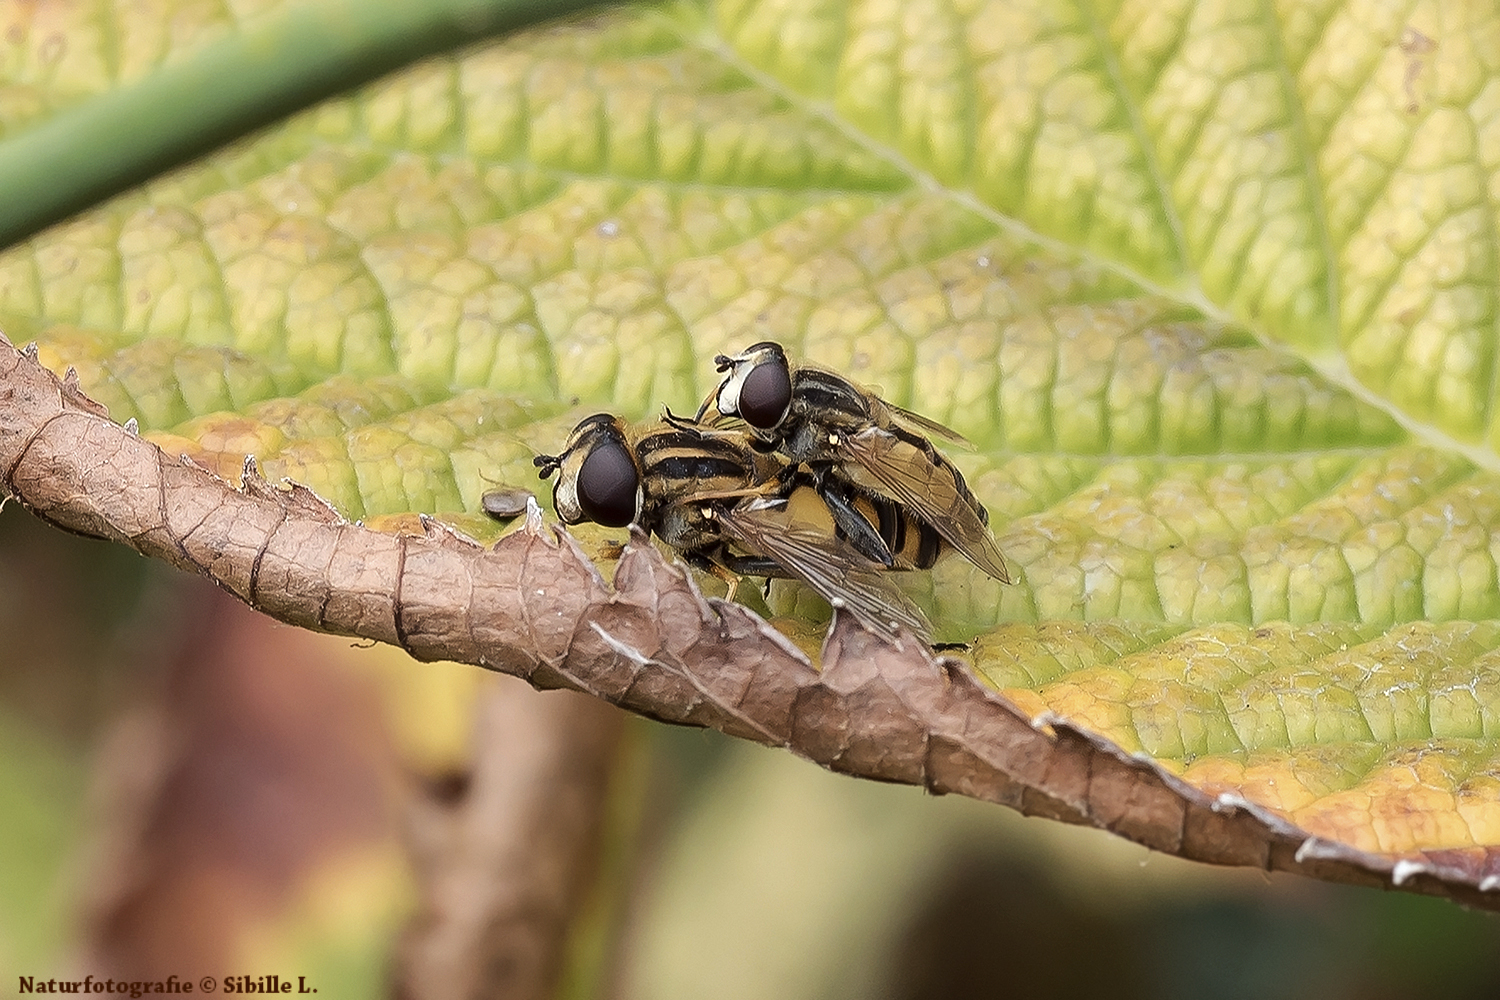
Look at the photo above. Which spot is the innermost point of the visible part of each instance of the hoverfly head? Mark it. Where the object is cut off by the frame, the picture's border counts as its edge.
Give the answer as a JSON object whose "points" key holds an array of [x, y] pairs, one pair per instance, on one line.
{"points": [[599, 480], [758, 386]]}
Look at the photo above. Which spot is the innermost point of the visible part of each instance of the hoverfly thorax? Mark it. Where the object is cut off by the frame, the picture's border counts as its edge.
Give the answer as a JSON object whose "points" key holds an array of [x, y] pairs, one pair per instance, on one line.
{"points": [[598, 478], [757, 386]]}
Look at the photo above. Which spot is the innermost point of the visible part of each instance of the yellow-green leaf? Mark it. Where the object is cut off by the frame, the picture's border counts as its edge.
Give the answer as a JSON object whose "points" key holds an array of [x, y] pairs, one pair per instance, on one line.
{"points": [[1212, 288]]}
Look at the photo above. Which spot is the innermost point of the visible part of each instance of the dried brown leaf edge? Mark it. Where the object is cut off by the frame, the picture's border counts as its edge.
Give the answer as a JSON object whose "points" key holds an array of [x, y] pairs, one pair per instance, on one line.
{"points": [[534, 606]]}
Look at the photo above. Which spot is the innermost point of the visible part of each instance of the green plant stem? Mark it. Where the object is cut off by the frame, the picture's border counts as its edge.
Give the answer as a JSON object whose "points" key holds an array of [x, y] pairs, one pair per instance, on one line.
{"points": [[109, 143]]}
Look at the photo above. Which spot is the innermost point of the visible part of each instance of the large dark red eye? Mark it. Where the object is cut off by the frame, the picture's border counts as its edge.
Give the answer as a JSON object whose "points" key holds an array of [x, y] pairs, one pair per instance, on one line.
{"points": [[765, 394], [607, 484]]}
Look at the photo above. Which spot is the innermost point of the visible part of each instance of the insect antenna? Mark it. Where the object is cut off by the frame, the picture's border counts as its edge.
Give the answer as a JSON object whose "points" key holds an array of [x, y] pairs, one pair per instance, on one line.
{"points": [[546, 465]]}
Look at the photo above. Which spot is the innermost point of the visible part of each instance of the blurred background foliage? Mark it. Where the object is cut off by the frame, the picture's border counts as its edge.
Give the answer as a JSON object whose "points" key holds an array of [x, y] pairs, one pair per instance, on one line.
{"points": [[752, 874]]}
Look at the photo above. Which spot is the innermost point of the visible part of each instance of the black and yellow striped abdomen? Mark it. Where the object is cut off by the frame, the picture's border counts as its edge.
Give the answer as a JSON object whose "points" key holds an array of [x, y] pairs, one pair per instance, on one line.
{"points": [[912, 542], [677, 463]]}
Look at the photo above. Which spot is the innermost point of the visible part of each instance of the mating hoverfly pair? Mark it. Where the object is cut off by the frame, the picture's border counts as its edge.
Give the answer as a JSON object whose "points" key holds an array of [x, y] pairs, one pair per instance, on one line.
{"points": [[794, 473]]}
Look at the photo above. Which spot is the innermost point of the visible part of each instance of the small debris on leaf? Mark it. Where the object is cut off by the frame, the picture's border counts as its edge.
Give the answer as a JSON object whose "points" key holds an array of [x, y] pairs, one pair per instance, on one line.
{"points": [[505, 504]]}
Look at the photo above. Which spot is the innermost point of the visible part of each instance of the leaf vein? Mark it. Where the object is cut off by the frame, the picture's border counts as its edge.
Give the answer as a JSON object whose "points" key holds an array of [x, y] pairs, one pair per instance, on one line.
{"points": [[1111, 61]]}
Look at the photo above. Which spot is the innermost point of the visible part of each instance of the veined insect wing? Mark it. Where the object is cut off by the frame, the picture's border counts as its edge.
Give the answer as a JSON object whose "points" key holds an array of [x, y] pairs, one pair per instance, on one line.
{"points": [[925, 424], [841, 577], [933, 490]]}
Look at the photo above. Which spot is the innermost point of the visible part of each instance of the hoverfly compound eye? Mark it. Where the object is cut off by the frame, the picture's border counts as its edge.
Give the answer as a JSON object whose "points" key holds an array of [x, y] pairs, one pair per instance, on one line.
{"points": [[608, 485], [765, 394]]}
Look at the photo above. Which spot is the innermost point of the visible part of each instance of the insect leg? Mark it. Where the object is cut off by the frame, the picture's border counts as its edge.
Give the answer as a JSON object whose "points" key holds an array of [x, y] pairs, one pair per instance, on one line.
{"points": [[754, 566], [856, 528]]}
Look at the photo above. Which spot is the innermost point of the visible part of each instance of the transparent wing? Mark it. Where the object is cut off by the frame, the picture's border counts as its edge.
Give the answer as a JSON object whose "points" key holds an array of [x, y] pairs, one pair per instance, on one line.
{"points": [[841, 576], [909, 475], [917, 422]]}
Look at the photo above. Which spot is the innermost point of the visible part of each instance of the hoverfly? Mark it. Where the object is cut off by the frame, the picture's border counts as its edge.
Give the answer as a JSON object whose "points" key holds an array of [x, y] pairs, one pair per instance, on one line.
{"points": [[724, 505], [848, 436]]}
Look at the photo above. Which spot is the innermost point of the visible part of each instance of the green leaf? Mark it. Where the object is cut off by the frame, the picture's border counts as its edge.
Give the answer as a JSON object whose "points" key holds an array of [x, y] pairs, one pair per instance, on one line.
{"points": [[1212, 289]]}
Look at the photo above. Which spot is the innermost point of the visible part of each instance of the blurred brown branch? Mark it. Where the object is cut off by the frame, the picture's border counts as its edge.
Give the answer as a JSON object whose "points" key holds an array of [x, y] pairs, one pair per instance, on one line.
{"points": [[506, 853]]}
